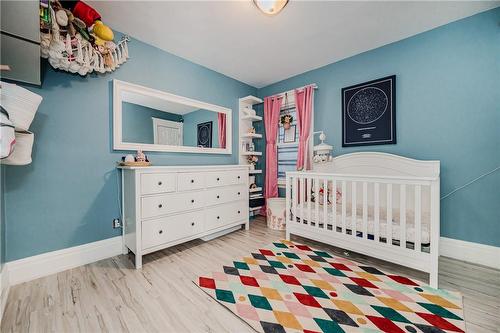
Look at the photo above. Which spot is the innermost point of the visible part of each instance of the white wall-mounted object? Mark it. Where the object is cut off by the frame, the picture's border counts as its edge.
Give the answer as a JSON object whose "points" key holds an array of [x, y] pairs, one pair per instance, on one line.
{"points": [[389, 208], [246, 122], [166, 205], [163, 101]]}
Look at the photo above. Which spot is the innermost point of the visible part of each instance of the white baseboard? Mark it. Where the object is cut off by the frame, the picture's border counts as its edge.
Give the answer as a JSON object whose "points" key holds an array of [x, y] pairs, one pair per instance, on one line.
{"points": [[476, 253], [41, 265], [4, 290]]}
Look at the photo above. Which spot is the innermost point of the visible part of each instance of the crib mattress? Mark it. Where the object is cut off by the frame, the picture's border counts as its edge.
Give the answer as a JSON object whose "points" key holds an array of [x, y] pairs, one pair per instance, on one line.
{"points": [[396, 229]]}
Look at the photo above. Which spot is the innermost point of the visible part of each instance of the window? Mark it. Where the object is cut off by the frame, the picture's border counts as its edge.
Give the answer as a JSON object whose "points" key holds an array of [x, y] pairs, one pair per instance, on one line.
{"points": [[288, 143]]}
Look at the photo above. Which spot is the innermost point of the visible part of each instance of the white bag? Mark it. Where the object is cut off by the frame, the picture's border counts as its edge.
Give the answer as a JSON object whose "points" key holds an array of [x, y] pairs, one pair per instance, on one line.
{"points": [[7, 134], [22, 150], [20, 103]]}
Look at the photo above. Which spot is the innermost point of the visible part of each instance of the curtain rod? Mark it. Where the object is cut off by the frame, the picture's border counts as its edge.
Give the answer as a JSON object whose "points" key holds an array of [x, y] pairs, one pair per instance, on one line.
{"points": [[314, 85]]}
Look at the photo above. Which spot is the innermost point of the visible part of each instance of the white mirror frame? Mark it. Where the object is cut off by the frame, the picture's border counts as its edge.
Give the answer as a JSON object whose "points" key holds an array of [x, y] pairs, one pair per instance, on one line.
{"points": [[118, 144]]}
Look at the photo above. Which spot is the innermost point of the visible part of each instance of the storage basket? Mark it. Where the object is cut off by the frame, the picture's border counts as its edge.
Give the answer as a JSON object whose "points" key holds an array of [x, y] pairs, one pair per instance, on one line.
{"points": [[20, 103], [276, 213], [22, 150]]}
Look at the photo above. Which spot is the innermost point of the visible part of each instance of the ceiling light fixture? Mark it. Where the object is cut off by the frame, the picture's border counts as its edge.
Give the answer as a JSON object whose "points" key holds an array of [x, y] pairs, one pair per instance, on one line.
{"points": [[270, 7]]}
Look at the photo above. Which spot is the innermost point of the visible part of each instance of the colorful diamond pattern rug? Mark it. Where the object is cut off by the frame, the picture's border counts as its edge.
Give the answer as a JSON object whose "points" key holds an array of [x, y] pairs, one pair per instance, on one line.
{"points": [[289, 287]]}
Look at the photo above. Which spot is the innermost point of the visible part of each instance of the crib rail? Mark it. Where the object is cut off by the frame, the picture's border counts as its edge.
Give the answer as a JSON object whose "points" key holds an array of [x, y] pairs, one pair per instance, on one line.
{"points": [[396, 212]]}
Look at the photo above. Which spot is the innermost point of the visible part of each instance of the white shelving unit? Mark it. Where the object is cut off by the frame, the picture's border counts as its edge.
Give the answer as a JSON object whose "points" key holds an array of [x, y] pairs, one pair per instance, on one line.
{"points": [[246, 122]]}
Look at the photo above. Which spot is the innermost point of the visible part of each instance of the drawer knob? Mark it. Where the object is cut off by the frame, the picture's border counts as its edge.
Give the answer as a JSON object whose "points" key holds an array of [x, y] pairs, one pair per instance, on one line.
{"points": [[160, 232], [239, 212], [192, 223], [159, 183], [239, 177], [218, 217], [192, 200], [218, 178], [217, 197], [239, 193], [192, 180], [160, 206]]}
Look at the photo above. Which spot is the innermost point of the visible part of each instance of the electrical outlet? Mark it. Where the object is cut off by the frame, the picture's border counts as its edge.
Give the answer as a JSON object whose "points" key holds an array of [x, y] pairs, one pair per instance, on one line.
{"points": [[117, 223]]}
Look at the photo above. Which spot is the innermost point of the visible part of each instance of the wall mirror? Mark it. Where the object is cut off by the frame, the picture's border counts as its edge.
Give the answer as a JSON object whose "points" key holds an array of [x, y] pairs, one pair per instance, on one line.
{"points": [[153, 120]]}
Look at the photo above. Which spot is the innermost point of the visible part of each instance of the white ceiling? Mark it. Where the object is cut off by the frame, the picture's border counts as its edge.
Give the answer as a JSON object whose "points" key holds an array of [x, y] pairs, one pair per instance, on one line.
{"points": [[234, 38]]}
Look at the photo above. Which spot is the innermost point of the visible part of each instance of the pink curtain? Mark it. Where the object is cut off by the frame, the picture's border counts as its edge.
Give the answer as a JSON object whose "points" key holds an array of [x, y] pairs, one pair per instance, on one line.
{"points": [[304, 104], [221, 121], [272, 106]]}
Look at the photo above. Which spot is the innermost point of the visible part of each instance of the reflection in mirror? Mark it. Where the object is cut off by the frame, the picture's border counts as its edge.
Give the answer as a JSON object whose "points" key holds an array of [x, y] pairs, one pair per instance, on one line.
{"points": [[194, 128], [157, 119]]}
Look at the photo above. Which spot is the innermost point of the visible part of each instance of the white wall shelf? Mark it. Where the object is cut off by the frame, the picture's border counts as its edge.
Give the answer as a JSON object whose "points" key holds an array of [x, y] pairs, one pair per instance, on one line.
{"points": [[251, 153], [252, 118], [257, 189], [251, 135], [253, 172], [253, 209]]}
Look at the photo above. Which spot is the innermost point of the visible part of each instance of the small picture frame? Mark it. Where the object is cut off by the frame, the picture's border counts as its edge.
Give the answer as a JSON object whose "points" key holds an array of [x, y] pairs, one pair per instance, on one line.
{"points": [[290, 133]]}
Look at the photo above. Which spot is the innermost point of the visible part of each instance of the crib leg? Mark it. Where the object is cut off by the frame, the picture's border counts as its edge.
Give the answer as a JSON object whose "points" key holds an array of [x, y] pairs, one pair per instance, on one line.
{"points": [[433, 276], [287, 235]]}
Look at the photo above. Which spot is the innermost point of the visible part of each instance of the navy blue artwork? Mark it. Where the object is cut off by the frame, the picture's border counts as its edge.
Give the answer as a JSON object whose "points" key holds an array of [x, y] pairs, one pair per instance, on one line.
{"points": [[204, 137], [369, 113]]}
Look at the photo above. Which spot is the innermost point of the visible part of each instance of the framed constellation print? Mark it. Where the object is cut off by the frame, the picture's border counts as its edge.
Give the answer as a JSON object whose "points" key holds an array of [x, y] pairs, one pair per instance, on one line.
{"points": [[204, 137], [369, 113]]}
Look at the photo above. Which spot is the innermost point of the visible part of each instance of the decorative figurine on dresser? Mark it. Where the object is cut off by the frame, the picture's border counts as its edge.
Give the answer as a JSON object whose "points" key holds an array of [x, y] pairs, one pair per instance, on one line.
{"points": [[168, 205]]}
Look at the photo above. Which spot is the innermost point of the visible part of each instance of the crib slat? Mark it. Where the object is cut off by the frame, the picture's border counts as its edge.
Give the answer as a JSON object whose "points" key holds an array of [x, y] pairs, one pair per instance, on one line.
{"points": [[402, 215], [302, 190], [418, 217], [316, 202], [334, 205], [365, 210], [308, 194], [287, 200], [295, 197], [344, 204], [389, 215], [376, 213], [325, 204], [354, 206]]}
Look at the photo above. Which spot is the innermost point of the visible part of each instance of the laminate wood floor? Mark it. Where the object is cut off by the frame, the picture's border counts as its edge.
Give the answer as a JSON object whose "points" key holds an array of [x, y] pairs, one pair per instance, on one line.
{"points": [[111, 296]]}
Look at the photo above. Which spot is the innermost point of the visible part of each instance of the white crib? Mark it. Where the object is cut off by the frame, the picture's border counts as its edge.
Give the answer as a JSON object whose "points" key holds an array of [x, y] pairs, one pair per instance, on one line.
{"points": [[388, 207]]}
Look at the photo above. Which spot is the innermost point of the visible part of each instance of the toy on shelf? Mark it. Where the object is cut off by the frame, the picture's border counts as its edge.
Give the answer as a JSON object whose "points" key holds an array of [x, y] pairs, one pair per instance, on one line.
{"points": [[74, 39], [139, 160], [251, 130], [252, 161]]}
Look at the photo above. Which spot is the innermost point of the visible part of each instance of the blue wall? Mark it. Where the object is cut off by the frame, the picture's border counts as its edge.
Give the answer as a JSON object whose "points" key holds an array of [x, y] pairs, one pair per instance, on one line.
{"points": [[448, 109], [137, 125], [68, 196], [191, 121]]}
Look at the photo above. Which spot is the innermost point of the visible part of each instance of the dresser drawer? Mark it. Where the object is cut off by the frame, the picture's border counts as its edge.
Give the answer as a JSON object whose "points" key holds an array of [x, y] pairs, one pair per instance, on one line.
{"points": [[168, 229], [171, 203], [152, 183], [224, 178], [222, 215], [220, 195], [190, 181]]}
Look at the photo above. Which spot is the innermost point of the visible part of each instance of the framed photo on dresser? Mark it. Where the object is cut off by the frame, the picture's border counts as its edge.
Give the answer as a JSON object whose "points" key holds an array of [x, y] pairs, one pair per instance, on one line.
{"points": [[369, 113]]}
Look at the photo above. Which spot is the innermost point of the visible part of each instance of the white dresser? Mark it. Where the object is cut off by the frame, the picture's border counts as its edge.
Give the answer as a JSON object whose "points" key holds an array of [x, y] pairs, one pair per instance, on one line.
{"points": [[166, 205]]}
